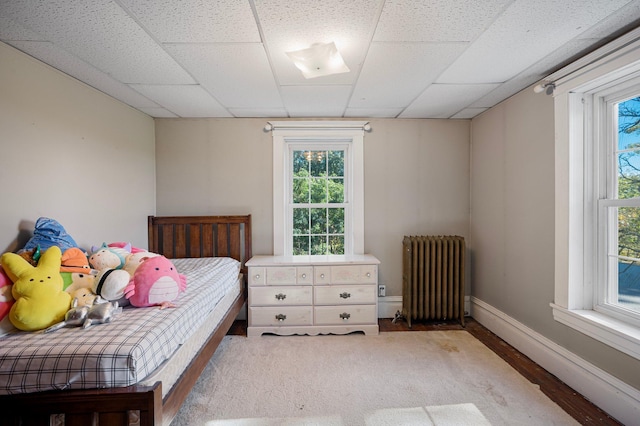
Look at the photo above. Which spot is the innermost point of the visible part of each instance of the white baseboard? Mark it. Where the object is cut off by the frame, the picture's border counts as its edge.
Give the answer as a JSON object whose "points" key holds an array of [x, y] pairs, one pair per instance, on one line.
{"points": [[388, 306], [612, 395]]}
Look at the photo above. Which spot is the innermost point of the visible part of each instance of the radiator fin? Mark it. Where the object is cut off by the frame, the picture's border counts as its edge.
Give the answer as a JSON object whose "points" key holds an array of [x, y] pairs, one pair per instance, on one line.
{"points": [[433, 278]]}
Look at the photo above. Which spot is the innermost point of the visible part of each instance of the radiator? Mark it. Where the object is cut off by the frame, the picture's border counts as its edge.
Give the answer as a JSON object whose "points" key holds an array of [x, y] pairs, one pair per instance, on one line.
{"points": [[433, 278]]}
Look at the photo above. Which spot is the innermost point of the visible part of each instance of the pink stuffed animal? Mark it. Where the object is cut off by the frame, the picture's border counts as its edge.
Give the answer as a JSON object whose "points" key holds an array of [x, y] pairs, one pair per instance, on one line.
{"points": [[6, 300], [155, 282]]}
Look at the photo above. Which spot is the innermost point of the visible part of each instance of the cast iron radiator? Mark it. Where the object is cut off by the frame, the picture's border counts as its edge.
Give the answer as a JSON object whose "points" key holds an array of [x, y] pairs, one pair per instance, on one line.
{"points": [[433, 278]]}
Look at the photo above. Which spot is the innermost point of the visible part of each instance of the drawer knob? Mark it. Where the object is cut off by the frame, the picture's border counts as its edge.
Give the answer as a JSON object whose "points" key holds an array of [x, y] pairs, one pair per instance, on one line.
{"points": [[281, 296], [368, 274], [257, 277], [281, 317], [304, 275], [345, 316], [321, 275], [345, 295]]}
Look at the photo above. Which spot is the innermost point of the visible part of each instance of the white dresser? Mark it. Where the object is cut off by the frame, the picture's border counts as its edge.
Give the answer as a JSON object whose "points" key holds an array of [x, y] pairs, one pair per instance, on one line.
{"points": [[313, 295]]}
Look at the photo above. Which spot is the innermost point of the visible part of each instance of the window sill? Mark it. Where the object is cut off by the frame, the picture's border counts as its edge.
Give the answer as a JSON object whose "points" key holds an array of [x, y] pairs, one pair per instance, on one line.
{"points": [[610, 331]]}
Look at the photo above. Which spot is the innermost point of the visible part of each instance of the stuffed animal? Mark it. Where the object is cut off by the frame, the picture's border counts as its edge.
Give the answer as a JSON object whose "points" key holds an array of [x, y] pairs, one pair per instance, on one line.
{"points": [[106, 257], [83, 297], [32, 256], [135, 259], [75, 280], [75, 260], [155, 282], [110, 285], [126, 246], [87, 315], [40, 300], [6, 301], [101, 313]]}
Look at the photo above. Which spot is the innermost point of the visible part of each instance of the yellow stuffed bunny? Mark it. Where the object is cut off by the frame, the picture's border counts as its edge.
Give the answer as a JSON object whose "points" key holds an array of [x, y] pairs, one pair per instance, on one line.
{"points": [[40, 300]]}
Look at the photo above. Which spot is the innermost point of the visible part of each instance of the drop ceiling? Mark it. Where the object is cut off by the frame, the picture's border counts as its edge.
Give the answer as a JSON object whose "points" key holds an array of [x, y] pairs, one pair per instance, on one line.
{"points": [[226, 58]]}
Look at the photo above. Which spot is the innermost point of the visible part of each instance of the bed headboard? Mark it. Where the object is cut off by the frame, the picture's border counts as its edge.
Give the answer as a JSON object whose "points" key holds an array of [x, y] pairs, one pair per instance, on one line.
{"points": [[201, 236]]}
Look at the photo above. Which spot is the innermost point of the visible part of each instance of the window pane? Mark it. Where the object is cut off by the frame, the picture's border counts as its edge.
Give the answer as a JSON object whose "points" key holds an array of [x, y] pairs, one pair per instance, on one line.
{"points": [[318, 221], [318, 245], [336, 244], [336, 163], [335, 189], [628, 123], [300, 163], [628, 149], [301, 190], [336, 221], [319, 192], [629, 284], [318, 160], [300, 221], [301, 245], [629, 232]]}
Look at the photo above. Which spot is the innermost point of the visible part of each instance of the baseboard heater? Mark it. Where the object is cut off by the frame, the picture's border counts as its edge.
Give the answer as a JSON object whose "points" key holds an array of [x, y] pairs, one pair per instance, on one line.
{"points": [[433, 278]]}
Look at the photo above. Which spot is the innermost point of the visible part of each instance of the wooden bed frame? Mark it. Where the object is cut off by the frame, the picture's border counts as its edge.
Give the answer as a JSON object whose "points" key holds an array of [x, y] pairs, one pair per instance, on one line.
{"points": [[174, 237]]}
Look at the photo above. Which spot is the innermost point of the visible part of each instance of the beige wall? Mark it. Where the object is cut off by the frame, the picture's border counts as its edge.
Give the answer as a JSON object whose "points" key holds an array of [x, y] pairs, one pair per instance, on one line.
{"points": [[512, 225], [73, 154], [416, 179]]}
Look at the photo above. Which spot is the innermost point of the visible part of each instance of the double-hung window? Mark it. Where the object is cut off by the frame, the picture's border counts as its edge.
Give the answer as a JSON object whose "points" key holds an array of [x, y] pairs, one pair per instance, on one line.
{"points": [[597, 175], [618, 216], [318, 187]]}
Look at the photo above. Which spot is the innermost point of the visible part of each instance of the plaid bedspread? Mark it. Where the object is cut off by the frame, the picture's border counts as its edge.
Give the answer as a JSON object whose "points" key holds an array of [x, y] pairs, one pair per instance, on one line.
{"points": [[119, 353]]}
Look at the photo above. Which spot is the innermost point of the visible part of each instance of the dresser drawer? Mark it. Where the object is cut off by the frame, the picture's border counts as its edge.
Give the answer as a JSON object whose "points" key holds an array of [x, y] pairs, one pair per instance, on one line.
{"points": [[347, 314], [345, 294], [354, 274], [280, 316], [289, 275], [256, 276], [277, 296]]}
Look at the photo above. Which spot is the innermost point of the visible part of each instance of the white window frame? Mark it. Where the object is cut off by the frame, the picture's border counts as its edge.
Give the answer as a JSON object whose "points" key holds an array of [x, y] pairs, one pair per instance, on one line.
{"points": [[319, 134], [579, 91]]}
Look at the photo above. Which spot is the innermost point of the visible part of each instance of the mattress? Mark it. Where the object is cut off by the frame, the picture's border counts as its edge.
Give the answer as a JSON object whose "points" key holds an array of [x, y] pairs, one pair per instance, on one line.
{"points": [[124, 351]]}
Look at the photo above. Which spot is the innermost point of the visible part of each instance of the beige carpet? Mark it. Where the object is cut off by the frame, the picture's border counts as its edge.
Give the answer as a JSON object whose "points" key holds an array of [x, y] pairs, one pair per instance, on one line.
{"points": [[397, 378]]}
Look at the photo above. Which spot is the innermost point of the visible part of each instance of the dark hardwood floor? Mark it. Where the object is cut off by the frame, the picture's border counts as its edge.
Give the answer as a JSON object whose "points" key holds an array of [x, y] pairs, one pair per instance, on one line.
{"points": [[568, 399]]}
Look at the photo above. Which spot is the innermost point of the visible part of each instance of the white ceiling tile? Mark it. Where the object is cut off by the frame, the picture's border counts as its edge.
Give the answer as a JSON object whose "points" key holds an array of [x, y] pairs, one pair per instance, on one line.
{"points": [[524, 34], [445, 100], [196, 21], [289, 26], [531, 74], [622, 18], [308, 101], [184, 101], [11, 30], [49, 53], [394, 74], [100, 33], [436, 20], [237, 74]]}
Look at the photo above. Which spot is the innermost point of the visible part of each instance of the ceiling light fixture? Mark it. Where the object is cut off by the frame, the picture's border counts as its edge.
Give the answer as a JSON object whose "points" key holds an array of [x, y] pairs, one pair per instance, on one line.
{"points": [[318, 60], [547, 88]]}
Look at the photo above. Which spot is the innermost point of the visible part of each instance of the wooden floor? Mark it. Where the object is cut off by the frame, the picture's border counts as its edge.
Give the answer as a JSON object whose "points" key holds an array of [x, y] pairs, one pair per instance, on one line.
{"points": [[569, 400]]}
